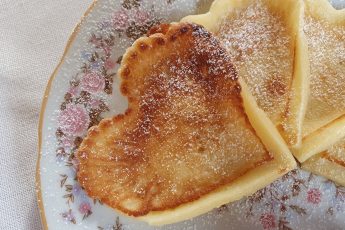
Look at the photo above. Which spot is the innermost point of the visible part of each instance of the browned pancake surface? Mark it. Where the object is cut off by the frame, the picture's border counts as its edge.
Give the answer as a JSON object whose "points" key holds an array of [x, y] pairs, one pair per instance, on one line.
{"points": [[185, 132]]}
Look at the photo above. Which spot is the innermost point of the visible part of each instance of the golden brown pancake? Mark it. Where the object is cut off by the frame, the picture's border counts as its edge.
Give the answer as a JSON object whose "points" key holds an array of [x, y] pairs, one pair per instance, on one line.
{"points": [[261, 37], [185, 144], [324, 123]]}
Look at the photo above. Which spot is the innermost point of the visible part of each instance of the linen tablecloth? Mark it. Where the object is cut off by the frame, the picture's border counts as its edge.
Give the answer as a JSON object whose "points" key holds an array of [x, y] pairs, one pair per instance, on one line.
{"points": [[33, 34]]}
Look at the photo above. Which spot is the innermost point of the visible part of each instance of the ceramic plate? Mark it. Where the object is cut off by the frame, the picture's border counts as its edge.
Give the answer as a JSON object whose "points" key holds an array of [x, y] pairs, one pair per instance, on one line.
{"points": [[84, 89]]}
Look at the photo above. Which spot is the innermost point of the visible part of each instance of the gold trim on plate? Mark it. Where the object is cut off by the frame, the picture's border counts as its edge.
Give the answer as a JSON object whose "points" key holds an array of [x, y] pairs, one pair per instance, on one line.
{"points": [[43, 106]]}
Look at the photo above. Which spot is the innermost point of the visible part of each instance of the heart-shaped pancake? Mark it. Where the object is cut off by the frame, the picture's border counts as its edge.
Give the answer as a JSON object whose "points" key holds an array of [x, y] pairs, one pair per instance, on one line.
{"points": [[324, 123], [185, 145], [262, 39], [325, 118]]}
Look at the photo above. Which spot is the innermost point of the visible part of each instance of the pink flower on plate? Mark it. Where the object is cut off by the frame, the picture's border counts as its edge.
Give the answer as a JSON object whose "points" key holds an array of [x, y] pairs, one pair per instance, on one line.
{"points": [[94, 103], [74, 91], [141, 17], [120, 20], [85, 208], [268, 221], [314, 196], [67, 142], [93, 82], [74, 120], [109, 64]]}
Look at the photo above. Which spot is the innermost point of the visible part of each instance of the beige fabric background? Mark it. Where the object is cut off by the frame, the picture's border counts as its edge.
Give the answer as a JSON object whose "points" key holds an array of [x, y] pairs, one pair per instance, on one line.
{"points": [[33, 34]]}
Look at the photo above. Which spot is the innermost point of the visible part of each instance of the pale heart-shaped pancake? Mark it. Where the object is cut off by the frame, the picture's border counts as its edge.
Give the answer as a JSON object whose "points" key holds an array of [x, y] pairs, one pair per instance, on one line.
{"points": [[262, 38], [324, 122], [185, 144], [325, 30]]}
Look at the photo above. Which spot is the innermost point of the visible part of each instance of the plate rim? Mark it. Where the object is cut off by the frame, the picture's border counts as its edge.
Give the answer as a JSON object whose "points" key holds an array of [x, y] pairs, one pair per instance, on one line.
{"points": [[70, 41], [68, 45]]}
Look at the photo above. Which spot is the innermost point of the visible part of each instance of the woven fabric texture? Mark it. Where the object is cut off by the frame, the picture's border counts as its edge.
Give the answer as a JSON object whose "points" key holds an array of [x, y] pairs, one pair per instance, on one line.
{"points": [[33, 34]]}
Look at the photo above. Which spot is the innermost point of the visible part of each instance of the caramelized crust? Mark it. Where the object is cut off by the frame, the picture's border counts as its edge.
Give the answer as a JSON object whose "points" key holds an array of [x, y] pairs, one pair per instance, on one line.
{"points": [[185, 133]]}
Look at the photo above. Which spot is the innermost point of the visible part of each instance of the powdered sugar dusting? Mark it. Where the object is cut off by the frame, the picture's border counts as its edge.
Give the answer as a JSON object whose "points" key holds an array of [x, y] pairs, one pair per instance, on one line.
{"points": [[186, 133], [260, 47], [326, 44], [65, 203]]}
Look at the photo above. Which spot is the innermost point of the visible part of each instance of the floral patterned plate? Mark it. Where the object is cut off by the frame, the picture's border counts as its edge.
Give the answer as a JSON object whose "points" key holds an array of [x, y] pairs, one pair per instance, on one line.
{"points": [[84, 89]]}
